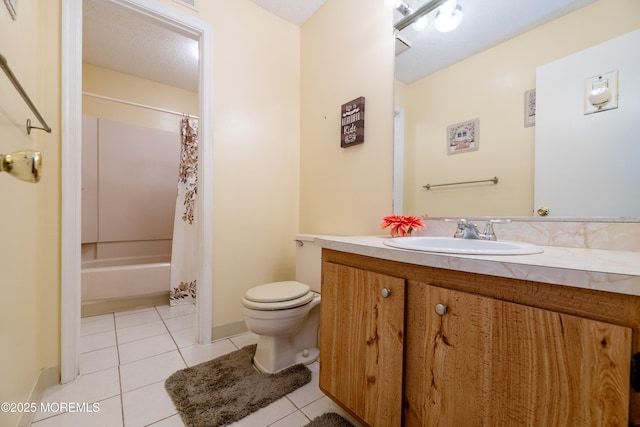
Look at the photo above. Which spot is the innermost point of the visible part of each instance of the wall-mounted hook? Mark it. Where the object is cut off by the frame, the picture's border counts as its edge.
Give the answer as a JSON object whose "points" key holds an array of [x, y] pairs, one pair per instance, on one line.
{"points": [[29, 127]]}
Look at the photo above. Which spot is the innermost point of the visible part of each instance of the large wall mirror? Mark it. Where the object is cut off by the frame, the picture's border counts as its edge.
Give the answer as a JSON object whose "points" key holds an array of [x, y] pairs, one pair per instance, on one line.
{"points": [[479, 81]]}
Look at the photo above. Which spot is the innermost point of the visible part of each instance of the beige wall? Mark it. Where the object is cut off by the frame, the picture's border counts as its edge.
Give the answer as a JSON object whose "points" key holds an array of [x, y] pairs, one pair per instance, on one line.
{"points": [[256, 119], [347, 52], [490, 86], [256, 138], [104, 82], [256, 133], [30, 214]]}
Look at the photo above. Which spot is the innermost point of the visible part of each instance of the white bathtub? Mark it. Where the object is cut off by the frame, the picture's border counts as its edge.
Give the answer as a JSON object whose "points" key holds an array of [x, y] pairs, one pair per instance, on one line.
{"points": [[125, 277]]}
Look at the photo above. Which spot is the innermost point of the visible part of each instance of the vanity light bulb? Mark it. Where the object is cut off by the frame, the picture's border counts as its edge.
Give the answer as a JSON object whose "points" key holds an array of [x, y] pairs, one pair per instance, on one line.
{"points": [[448, 7], [448, 18], [421, 23]]}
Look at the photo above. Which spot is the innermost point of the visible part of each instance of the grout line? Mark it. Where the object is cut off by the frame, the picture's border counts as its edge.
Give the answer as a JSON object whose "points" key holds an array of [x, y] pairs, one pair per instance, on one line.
{"points": [[119, 365], [115, 331], [172, 338], [148, 357], [163, 419]]}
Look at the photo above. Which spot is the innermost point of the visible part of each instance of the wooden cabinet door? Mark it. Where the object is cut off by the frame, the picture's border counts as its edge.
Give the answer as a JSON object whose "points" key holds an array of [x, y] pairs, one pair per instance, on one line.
{"points": [[361, 342], [487, 362]]}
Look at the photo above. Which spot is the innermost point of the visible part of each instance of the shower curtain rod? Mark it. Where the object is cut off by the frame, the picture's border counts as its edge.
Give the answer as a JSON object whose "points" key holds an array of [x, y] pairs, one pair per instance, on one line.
{"points": [[135, 104]]}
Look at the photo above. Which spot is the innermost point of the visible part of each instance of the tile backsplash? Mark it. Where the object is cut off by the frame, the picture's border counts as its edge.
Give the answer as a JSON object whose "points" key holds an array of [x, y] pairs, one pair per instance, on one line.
{"points": [[609, 235]]}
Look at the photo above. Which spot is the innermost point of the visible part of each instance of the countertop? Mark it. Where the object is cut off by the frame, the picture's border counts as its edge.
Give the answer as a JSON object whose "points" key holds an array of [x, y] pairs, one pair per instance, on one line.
{"points": [[597, 269]]}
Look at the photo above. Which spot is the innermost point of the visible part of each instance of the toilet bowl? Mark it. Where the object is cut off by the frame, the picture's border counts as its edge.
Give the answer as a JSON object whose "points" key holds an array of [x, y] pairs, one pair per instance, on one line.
{"points": [[282, 315]]}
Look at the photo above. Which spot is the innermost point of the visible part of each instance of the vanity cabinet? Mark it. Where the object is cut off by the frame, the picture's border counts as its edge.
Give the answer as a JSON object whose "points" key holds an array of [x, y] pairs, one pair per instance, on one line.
{"points": [[361, 342], [476, 350], [483, 361]]}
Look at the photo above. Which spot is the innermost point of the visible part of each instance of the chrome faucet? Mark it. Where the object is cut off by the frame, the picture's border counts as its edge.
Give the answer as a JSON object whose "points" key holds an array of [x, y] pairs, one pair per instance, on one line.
{"points": [[469, 230]]}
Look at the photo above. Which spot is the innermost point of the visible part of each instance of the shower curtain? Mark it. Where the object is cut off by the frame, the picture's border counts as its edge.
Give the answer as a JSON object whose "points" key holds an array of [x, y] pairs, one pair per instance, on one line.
{"points": [[184, 260]]}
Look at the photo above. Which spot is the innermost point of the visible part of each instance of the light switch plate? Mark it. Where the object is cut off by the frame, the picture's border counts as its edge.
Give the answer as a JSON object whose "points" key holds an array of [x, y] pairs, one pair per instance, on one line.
{"points": [[607, 80]]}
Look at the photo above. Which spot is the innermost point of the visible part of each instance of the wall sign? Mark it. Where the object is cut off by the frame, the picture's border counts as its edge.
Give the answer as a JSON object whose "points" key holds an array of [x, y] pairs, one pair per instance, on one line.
{"points": [[352, 123]]}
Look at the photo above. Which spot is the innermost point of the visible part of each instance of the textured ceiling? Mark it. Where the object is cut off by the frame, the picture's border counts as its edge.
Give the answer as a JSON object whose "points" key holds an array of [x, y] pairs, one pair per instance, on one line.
{"points": [[119, 39], [294, 11]]}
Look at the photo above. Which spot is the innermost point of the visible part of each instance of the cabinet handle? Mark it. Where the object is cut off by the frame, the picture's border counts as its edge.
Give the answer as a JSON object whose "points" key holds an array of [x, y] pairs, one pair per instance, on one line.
{"points": [[385, 292], [441, 309]]}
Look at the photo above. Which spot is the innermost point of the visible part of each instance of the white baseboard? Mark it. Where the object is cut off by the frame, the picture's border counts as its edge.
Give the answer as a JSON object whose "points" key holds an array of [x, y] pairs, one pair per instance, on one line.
{"points": [[228, 330], [47, 378]]}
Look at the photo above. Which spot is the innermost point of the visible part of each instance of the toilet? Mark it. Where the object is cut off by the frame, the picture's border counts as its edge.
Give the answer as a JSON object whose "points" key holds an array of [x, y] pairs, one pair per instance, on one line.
{"points": [[286, 315]]}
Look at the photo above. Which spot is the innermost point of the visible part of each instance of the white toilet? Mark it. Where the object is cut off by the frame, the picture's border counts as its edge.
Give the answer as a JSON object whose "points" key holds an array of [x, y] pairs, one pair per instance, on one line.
{"points": [[286, 315]]}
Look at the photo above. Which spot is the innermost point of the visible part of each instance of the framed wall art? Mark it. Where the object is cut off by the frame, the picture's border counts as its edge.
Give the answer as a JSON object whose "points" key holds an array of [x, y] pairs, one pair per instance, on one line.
{"points": [[463, 137], [352, 123], [530, 108]]}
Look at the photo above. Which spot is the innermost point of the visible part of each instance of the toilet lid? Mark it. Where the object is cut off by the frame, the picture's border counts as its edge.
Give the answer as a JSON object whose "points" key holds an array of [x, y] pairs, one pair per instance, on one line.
{"points": [[277, 292], [278, 305]]}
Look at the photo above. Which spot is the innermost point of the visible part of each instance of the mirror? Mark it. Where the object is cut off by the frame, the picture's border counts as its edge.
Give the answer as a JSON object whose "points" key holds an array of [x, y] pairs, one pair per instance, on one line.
{"points": [[489, 87]]}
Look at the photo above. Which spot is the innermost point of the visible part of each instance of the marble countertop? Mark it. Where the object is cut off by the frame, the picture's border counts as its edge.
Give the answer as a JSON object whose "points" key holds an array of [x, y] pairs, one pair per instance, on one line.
{"points": [[604, 270]]}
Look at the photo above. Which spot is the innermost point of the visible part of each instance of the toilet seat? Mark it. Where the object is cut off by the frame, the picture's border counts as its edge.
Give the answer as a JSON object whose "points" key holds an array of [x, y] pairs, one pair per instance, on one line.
{"points": [[277, 296]]}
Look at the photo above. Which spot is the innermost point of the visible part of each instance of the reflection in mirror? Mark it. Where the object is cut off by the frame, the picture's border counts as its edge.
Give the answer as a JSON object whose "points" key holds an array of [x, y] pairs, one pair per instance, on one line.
{"points": [[490, 85]]}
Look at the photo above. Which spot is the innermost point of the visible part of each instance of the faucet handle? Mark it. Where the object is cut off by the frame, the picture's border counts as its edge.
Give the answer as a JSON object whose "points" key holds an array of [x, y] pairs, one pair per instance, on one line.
{"points": [[462, 224], [500, 221], [489, 232]]}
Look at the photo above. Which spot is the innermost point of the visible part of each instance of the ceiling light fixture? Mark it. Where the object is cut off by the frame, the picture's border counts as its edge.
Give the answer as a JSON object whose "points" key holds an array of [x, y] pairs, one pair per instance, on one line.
{"points": [[449, 16], [421, 24], [411, 17]]}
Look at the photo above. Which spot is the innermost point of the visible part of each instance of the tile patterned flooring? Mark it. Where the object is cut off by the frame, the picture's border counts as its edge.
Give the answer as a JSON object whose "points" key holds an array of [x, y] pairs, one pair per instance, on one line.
{"points": [[125, 358]]}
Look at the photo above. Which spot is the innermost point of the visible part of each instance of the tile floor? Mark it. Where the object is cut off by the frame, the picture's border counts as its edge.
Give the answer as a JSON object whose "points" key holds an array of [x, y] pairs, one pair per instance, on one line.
{"points": [[125, 358]]}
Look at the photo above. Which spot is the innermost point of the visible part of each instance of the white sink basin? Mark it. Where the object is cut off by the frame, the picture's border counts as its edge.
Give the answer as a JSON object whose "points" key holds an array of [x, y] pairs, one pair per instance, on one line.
{"points": [[450, 245]]}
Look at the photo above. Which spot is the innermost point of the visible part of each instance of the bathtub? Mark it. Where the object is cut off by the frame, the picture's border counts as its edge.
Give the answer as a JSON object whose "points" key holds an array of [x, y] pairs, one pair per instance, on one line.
{"points": [[117, 278]]}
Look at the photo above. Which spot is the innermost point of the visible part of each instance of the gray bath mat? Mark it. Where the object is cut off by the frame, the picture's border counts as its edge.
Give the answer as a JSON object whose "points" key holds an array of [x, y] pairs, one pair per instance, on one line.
{"points": [[329, 419], [229, 388]]}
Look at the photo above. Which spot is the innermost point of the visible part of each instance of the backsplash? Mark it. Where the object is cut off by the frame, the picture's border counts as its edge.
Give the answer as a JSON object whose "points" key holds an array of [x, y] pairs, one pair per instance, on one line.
{"points": [[609, 235]]}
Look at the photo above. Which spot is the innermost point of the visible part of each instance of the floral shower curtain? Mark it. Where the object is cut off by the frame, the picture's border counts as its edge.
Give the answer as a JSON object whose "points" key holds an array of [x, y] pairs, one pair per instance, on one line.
{"points": [[184, 260]]}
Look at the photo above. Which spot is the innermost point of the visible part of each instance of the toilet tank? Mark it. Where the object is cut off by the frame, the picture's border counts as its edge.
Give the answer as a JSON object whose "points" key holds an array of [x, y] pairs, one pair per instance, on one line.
{"points": [[308, 261]]}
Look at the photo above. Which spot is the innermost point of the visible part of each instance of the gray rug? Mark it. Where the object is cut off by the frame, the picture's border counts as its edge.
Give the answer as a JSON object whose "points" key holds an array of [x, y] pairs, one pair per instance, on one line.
{"points": [[329, 419], [229, 388]]}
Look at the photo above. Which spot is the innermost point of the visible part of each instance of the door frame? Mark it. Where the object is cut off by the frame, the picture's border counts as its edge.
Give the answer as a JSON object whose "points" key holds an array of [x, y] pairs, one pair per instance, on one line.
{"points": [[71, 168], [397, 199]]}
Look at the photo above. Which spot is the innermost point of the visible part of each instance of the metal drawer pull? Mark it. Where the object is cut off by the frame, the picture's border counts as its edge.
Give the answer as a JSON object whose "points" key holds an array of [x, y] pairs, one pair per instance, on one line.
{"points": [[441, 309], [385, 292]]}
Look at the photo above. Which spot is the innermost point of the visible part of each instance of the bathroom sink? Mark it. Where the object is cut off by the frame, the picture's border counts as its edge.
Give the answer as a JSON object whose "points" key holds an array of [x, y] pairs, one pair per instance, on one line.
{"points": [[450, 245]]}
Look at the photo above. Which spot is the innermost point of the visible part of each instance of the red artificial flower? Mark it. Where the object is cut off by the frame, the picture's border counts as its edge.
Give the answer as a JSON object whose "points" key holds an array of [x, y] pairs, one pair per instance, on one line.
{"points": [[401, 225]]}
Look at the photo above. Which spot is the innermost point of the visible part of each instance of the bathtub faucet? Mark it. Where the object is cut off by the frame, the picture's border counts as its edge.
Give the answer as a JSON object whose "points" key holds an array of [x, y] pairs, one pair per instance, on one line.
{"points": [[469, 230]]}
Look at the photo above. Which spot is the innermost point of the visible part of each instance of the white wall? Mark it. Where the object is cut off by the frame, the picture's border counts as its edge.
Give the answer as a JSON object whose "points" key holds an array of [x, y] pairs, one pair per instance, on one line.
{"points": [[589, 164]]}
